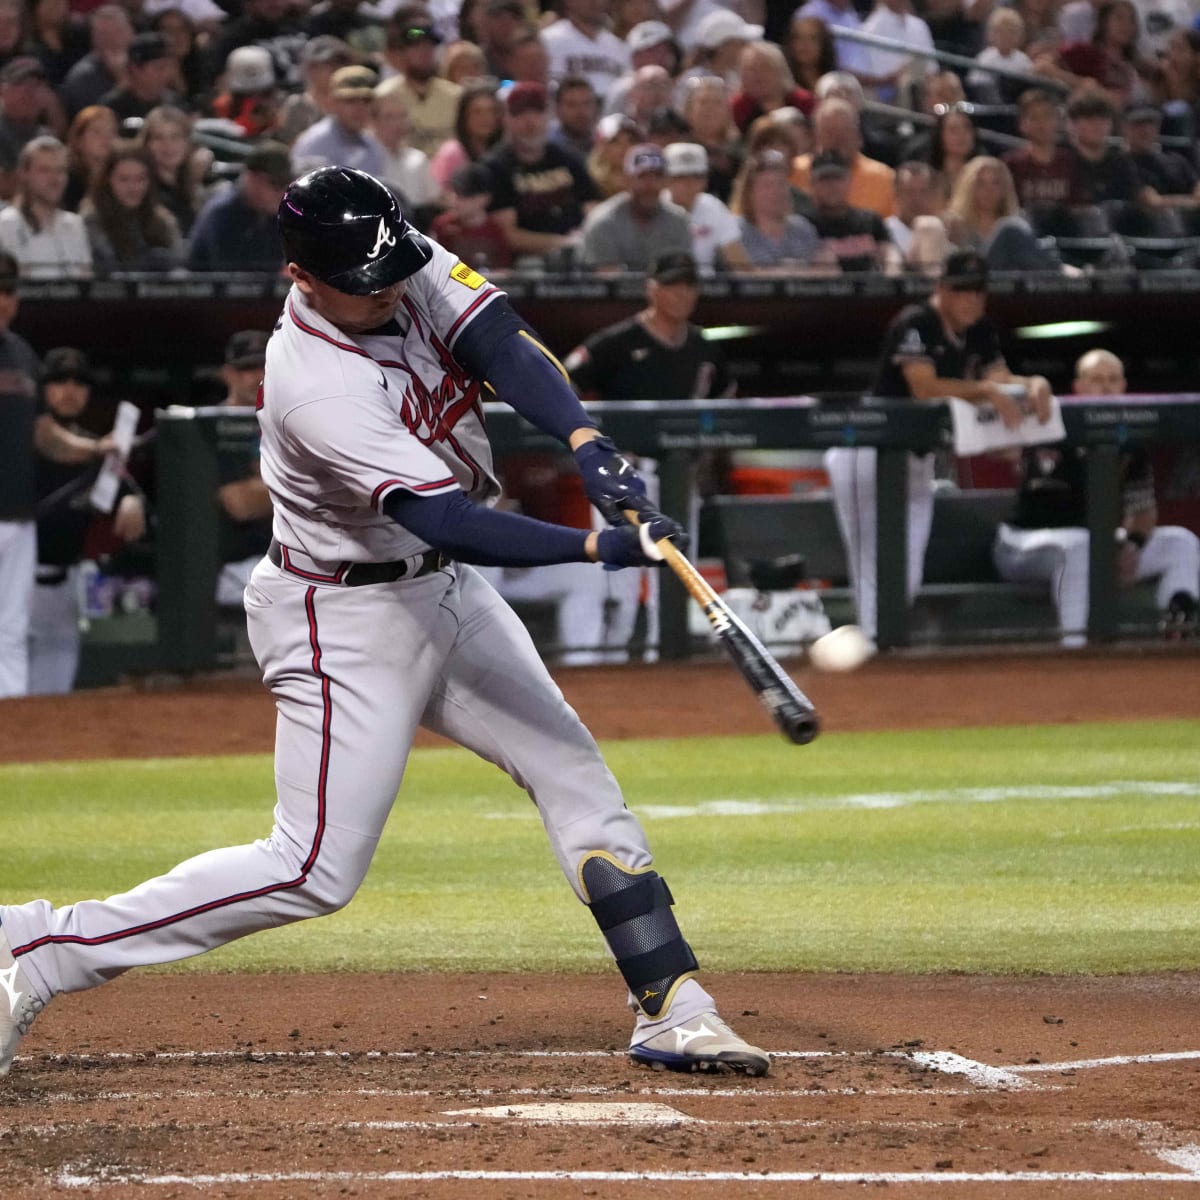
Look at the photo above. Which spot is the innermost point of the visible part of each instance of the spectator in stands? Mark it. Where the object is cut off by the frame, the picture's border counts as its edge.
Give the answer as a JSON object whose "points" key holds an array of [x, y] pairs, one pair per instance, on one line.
{"points": [[769, 134], [46, 241], [412, 44], [648, 95], [955, 24], [1005, 33], [103, 67], [880, 138], [836, 127], [22, 429], [463, 62], [1110, 60], [954, 143], [90, 140], [629, 230], [1047, 537], [236, 230], [616, 135], [12, 30], [501, 22], [23, 97], [1169, 182], [773, 235], [1179, 82], [856, 238], [478, 128], [242, 495], [204, 17], [406, 168], [528, 59], [466, 228], [1044, 170], [706, 108], [888, 70], [1104, 173], [810, 50], [344, 138], [720, 38], [127, 227], [944, 347], [541, 192], [188, 76], [1042, 33], [983, 215], [766, 85], [147, 79], [580, 43], [651, 44], [65, 518], [178, 166], [319, 60], [657, 354], [576, 112], [350, 20], [915, 229], [249, 96], [842, 14], [715, 232], [268, 23], [57, 38]]}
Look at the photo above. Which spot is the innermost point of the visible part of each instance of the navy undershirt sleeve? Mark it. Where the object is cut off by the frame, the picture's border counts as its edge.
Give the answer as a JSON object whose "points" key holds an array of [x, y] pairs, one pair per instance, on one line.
{"points": [[492, 347], [475, 534]]}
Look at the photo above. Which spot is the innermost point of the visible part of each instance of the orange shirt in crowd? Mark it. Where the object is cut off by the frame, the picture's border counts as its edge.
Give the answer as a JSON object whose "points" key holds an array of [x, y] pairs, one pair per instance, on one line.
{"points": [[870, 183]]}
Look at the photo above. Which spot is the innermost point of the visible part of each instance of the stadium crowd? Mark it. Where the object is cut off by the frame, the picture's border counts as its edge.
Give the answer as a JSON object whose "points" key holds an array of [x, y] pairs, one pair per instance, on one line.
{"points": [[157, 135]]}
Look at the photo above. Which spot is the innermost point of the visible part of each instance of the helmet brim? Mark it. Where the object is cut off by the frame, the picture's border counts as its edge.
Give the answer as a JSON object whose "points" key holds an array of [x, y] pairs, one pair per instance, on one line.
{"points": [[411, 252]]}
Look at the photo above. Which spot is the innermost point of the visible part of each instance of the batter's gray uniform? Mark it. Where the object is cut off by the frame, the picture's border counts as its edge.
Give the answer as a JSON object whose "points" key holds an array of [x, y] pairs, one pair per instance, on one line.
{"points": [[355, 669]]}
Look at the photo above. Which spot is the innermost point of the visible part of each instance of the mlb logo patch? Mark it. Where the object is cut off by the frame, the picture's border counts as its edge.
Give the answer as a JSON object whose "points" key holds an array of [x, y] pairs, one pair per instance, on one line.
{"points": [[463, 274]]}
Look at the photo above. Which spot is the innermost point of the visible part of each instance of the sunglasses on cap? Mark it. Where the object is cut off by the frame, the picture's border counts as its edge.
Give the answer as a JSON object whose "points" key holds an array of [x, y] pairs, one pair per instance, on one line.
{"points": [[417, 33]]}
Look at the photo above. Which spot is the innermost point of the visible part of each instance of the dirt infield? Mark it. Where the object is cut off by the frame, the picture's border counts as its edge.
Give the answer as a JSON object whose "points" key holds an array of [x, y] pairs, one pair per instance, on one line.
{"points": [[504, 1086]]}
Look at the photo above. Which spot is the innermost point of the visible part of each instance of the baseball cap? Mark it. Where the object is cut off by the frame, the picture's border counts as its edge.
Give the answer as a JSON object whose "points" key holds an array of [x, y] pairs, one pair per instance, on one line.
{"points": [[609, 126], [677, 267], [471, 179], [325, 48], [647, 34], [351, 83], [65, 362], [666, 120], [1143, 114], [516, 7], [722, 25], [829, 164], [24, 67], [644, 159], [147, 48], [272, 160], [686, 158], [249, 69], [965, 271], [526, 96], [414, 32], [247, 348]]}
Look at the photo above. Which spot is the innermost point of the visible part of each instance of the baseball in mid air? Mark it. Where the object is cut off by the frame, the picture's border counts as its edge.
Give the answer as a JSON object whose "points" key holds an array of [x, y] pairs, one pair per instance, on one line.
{"points": [[843, 649]]}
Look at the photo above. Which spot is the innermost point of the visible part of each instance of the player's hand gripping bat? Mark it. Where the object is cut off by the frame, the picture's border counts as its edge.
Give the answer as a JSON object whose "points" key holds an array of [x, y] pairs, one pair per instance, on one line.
{"points": [[789, 707]]}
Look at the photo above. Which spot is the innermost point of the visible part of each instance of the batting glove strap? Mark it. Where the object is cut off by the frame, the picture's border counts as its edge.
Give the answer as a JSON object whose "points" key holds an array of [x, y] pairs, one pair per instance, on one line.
{"points": [[609, 479]]}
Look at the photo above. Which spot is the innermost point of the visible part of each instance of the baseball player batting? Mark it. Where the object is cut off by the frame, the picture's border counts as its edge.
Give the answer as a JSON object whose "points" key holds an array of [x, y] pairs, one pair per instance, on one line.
{"points": [[367, 621]]}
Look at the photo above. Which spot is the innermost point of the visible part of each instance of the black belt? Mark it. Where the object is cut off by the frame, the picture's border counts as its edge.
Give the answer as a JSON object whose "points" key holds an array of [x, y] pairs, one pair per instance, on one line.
{"points": [[360, 574]]}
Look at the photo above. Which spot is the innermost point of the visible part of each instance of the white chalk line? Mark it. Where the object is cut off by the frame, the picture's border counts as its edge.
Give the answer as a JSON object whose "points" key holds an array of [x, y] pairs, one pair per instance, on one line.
{"points": [[78, 1178], [754, 806], [1115, 1060], [977, 1072]]}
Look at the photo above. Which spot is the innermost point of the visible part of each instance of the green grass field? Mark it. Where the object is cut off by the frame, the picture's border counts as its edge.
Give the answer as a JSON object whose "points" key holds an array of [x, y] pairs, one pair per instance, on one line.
{"points": [[1038, 849]]}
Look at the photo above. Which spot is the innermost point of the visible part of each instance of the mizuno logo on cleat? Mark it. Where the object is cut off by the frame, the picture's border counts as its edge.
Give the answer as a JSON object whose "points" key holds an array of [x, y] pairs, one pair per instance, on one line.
{"points": [[684, 1037]]}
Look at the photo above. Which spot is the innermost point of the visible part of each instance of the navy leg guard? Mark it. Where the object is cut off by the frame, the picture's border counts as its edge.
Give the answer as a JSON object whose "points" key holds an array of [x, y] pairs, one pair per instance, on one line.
{"points": [[633, 910]]}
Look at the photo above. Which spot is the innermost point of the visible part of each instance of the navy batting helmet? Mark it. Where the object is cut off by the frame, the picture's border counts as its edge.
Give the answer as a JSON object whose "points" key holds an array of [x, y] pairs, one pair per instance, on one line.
{"points": [[346, 228]]}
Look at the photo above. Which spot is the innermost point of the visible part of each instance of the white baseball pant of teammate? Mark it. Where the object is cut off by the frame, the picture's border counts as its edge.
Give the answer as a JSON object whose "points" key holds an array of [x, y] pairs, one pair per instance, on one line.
{"points": [[18, 562], [852, 480], [54, 635], [348, 418], [1060, 557]]}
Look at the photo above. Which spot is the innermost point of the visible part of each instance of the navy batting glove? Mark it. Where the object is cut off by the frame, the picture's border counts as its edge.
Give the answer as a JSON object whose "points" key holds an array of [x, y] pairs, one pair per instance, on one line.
{"points": [[609, 479], [630, 546]]}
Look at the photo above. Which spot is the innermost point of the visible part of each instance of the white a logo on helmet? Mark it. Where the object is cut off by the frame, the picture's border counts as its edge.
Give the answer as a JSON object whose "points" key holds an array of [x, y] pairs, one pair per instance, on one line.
{"points": [[383, 237]]}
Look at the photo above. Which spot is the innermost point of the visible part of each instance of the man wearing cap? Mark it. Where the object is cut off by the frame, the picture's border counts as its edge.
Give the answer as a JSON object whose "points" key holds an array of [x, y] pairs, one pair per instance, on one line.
{"points": [[651, 44], [576, 115], [715, 232], [344, 138], [943, 347], [580, 43], [235, 230], [47, 241], [250, 95], [541, 192], [65, 517], [242, 495], [411, 51], [718, 35], [147, 79], [856, 237], [321, 58], [629, 230], [24, 96], [267, 23]]}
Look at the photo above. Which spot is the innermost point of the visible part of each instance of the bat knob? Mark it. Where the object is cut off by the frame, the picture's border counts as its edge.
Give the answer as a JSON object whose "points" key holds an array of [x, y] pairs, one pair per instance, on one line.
{"points": [[801, 728]]}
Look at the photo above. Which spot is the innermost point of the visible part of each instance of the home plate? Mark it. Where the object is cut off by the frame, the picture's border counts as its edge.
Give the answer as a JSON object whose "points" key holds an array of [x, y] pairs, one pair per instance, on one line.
{"points": [[581, 1113]]}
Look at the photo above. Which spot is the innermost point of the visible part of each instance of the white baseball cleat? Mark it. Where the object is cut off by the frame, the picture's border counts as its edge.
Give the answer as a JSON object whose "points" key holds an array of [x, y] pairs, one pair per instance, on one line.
{"points": [[18, 1005], [705, 1043]]}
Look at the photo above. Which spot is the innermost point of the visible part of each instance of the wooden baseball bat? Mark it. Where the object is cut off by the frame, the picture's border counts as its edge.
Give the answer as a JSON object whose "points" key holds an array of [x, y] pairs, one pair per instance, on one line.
{"points": [[789, 707]]}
